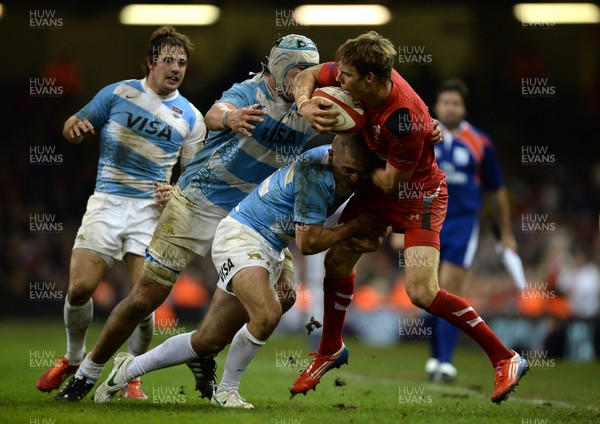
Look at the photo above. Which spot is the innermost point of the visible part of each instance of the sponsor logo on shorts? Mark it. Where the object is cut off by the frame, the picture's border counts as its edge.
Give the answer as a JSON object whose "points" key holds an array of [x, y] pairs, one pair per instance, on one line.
{"points": [[225, 269]]}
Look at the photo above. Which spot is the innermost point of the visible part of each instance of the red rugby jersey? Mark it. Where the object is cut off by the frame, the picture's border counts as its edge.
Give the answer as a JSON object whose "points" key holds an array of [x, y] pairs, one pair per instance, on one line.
{"points": [[399, 131]]}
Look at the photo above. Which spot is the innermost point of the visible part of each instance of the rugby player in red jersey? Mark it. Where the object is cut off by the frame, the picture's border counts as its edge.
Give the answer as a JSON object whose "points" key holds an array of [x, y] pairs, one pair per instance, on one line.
{"points": [[408, 192]]}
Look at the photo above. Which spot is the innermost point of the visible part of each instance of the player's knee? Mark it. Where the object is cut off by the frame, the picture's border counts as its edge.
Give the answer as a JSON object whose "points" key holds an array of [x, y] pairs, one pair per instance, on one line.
{"points": [[140, 304], [336, 263], [204, 344], [420, 295], [79, 292], [266, 321], [272, 319]]}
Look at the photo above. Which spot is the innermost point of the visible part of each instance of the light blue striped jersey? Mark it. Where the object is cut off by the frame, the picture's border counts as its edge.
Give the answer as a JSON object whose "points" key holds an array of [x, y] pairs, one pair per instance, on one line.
{"points": [[231, 164], [142, 135], [303, 192]]}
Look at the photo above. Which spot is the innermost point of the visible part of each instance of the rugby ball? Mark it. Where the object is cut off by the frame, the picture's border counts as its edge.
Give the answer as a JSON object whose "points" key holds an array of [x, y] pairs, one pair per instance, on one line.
{"points": [[352, 116]]}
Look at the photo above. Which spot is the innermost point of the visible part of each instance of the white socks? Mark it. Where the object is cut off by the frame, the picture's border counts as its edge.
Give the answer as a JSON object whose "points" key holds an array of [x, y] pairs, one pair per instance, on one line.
{"points": [[244, 347], [89, 369], [77, 320], [142, 336], [174, 351]]}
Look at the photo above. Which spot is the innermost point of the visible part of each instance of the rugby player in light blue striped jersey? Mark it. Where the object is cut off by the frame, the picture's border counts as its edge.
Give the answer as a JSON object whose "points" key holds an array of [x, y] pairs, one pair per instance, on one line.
{"points": [[145, 126], [254, 130]]}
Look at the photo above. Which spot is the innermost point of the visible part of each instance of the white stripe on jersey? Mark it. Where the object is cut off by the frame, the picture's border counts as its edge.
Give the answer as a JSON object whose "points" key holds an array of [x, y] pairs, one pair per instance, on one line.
{"points": [[256, 150], [289, 176], [111, 173], [264, 187], [137, 143], [216, 165], [152, 103]]}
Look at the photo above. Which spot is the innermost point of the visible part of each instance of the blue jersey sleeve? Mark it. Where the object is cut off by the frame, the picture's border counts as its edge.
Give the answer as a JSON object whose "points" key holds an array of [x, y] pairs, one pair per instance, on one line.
{"points": [[314, 191], [491, 174], [97, 110], [240, 95]]}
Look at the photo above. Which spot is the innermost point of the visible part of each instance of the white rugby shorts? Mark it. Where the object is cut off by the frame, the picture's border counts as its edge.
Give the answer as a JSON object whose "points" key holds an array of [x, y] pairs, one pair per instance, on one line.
{"points": [[115, 225], [237, 246]]}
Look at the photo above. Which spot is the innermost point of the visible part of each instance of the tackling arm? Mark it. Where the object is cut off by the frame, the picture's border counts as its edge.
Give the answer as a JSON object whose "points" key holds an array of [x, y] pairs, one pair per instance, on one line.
{"points": [[312, 239]]}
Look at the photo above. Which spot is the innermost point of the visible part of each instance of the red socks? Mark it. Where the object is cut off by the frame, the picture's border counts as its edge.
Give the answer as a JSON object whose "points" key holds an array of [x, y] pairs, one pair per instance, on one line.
{"points": [[337, 297], [460, 314]]}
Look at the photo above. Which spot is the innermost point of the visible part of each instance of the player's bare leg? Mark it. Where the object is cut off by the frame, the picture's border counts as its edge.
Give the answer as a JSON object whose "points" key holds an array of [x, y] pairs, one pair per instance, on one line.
{"points": [[140, 339], [286, 290], [86, 271], [252, 287], [144, 298], [423, 290], [338, 289], [256, 303], [421, 274], [225, 317], [141, 301]]}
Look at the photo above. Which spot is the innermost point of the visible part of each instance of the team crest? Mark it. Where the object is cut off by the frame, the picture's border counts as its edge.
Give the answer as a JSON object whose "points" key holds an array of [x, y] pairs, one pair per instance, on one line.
{"points": [[177, 113]]}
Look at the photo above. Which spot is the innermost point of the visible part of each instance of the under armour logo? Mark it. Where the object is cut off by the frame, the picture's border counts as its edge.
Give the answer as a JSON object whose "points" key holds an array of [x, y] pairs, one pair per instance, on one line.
{"points": [[415, 217]]}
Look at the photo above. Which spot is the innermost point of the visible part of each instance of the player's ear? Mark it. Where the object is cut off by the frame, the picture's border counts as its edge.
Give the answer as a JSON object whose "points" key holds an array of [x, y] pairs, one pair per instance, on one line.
{"points": [[370, 77], [150, 62]]}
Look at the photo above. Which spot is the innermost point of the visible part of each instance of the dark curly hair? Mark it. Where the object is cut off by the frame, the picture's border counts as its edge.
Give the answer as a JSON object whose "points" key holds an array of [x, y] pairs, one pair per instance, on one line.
{"points": [[165, 36]]}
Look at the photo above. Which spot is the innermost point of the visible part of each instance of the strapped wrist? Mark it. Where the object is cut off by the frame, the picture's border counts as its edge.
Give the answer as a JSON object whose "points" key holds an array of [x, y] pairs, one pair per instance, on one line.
{"points": [[301, 100], [224, 118]]}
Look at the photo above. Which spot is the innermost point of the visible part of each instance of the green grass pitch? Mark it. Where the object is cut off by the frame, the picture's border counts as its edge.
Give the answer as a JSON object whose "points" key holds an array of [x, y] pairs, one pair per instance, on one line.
{"points": [[380, 385]]}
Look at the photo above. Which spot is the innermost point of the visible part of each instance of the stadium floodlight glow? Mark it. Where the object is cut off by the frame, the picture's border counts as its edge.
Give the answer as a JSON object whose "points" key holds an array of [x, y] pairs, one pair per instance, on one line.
{"points": [[557, 13], [1, 10], [342, 14], [169, 14]]}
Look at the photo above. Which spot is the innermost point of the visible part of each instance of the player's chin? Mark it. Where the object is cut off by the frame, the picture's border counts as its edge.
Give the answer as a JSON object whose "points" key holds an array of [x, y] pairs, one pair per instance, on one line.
{"points": [[172, 83]]}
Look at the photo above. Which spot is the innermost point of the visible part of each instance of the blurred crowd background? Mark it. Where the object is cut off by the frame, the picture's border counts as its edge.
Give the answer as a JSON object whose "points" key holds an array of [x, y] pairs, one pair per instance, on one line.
{"points": [[493, 52]]}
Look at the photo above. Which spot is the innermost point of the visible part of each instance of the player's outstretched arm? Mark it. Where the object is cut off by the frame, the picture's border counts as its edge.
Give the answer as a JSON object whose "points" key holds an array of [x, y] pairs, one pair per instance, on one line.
{"points": [[223, 116], [75, 129]]}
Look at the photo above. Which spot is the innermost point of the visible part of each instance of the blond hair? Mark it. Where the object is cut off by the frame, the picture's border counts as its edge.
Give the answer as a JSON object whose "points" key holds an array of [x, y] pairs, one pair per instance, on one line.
{"points": [[369, 52]]}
